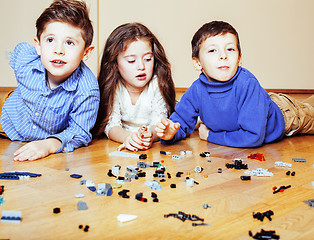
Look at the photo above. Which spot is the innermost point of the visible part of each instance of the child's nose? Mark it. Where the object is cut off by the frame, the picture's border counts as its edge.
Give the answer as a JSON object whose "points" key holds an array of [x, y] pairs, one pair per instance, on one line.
{"points": [[140, 65], [59, 50], [223, 55]]}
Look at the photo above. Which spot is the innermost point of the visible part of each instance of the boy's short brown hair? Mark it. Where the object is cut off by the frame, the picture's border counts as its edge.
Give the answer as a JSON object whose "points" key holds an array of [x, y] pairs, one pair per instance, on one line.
{"points": [[73, 12], [212, 29]]}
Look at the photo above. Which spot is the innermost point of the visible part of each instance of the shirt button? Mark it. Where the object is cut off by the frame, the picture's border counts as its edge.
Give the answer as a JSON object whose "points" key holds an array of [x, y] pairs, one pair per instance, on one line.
{"points": [[36, 113], [34, 127], [64, 149]]}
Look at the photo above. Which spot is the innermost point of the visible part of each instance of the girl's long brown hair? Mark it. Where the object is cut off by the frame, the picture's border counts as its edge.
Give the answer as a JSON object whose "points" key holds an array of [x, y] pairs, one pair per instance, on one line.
{"points": [[109, 75]]}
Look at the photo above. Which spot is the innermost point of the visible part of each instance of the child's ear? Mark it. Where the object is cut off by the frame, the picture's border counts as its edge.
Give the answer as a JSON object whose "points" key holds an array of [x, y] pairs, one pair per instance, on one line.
{"points": [[196, 63], [240, 61], [87, 52], [37, 45]]}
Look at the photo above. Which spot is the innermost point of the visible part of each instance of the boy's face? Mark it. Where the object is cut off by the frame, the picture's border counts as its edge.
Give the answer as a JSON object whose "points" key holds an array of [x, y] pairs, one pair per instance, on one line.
{"points": [[218, 57], [61, 48]]}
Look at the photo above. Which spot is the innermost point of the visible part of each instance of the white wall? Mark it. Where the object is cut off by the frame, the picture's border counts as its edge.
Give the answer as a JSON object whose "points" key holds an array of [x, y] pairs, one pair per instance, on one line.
{"points": [[276, 35]]}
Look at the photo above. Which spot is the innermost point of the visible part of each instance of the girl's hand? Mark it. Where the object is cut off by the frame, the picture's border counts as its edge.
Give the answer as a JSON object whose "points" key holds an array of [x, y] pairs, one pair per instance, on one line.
{"points": [[203, 132], [140, 140], [147, 137], [132, 143], [166, 129]]}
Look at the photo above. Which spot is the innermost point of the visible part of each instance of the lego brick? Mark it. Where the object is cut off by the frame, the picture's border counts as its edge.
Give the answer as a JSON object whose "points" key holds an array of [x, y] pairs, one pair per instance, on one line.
{"points": [[11, 216]]}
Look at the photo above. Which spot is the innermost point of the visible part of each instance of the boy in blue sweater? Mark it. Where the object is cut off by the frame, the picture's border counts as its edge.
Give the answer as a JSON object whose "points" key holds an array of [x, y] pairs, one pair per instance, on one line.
{"points": [[235, 110], [56, 102]]}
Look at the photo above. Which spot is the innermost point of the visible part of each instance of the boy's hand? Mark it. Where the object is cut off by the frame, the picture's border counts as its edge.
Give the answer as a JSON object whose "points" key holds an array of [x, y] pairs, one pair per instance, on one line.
{"points": [[37, 149], [166, 129], [203, 132], [143, 139]]}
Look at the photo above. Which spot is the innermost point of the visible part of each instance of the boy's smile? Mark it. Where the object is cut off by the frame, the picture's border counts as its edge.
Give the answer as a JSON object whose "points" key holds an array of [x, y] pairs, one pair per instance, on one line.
{"points": [[218, 57], [61, 48]]}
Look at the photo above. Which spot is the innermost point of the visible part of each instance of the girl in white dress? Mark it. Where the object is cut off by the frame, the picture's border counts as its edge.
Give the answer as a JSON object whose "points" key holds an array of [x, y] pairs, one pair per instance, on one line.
{"points": [[136, 87]]}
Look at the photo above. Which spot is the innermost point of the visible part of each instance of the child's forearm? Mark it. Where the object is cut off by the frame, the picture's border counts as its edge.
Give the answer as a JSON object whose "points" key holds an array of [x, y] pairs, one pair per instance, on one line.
{"points": [[118, 134]]}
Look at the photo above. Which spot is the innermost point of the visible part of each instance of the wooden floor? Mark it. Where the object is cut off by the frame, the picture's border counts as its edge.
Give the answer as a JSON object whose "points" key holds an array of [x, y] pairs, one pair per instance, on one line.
{"points": [[232, 201]]}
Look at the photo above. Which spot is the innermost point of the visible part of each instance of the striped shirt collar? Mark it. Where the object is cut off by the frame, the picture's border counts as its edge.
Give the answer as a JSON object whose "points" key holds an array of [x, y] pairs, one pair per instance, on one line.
{"points": [[70, 84]]}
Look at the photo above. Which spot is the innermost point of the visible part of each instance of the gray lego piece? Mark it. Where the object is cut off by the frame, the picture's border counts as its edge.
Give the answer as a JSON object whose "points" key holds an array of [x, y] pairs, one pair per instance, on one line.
{"points": [[142, 164], [81, 205], [299, 159], [310, 202]]}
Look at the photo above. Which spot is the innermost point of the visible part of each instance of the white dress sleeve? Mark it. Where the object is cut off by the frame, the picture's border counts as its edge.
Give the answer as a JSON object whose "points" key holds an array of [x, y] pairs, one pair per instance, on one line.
{"points": [[115, 117]]}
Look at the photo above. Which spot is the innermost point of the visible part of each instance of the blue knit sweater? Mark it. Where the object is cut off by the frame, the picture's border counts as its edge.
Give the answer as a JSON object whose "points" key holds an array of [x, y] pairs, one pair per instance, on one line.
{"points": [[239, 112]]}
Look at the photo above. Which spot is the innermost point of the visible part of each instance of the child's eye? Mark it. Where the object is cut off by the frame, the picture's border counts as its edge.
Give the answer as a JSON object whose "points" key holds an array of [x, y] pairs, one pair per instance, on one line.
{"points": [[231, 49], [70, 43], [211, 50], [148, 59], [129, 59], [50, 40]]}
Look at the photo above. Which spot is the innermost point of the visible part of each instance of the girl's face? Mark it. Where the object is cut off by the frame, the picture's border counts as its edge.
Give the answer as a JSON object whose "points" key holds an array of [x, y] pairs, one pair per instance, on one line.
{"points": [[136, 65]]}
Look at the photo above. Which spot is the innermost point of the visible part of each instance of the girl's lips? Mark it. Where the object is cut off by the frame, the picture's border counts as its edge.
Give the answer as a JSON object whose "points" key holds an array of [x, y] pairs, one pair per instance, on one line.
{"points": [[141, 76]]}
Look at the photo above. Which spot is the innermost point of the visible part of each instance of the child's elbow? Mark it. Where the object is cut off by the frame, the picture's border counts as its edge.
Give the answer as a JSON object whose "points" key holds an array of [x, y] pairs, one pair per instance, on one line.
{"points": [[255, 141]]}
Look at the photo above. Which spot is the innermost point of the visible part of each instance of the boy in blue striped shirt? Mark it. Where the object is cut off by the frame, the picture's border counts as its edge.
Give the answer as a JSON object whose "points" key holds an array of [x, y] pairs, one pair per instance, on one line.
{"points": [[55, 104]]}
